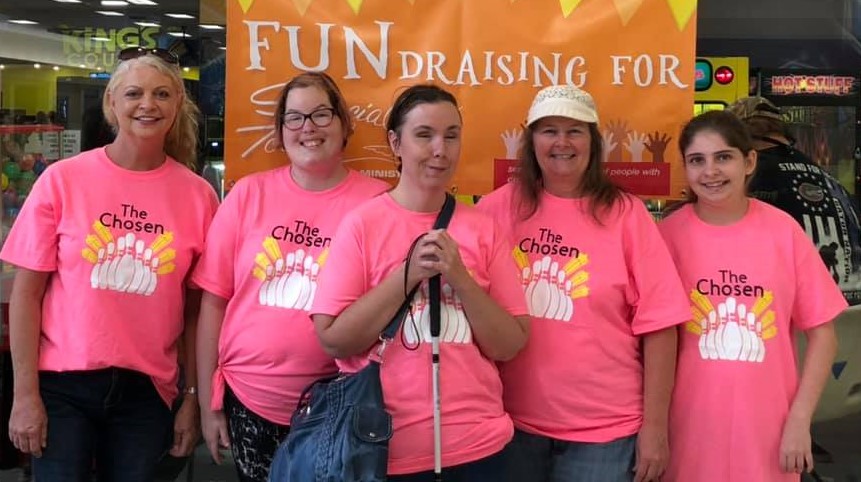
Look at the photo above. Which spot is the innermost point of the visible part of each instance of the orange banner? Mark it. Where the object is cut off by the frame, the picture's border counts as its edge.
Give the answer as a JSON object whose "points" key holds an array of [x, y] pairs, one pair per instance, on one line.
{"points": [[635, 56]]}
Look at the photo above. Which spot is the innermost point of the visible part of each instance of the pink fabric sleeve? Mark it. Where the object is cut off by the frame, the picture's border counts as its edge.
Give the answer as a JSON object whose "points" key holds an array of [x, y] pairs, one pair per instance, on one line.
{"points": [[33, 241], [343, 279], [497, 205], [505, 286], [818, 300], [654, 289], [214, 272]]}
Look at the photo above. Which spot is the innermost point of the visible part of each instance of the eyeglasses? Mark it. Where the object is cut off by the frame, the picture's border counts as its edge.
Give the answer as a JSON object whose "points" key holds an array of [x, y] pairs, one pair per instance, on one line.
{"points": [[321, 118], [135, 52]]}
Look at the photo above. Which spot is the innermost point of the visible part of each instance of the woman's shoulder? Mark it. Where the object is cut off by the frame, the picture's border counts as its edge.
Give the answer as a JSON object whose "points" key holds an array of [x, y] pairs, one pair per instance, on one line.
{"points": [[678, 216]]}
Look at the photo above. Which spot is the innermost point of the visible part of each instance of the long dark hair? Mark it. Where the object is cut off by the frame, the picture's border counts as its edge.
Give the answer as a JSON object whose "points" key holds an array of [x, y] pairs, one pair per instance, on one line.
{"points": [[594, 185]]}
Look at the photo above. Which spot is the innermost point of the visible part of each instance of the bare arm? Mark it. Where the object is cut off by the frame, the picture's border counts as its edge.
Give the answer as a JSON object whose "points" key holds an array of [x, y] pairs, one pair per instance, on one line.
{"points": [[358, 327], [499, 334], [187, 422], [795, 446], [659, 374], [28, 423], [214, 424]]}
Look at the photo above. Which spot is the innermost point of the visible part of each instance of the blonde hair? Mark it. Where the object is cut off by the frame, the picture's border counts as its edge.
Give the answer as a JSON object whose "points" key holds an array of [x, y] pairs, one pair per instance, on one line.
{"points": [[181, 140]]}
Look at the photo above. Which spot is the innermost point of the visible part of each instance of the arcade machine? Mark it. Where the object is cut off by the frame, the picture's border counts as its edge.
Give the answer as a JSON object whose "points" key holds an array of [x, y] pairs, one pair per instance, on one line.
{"points": [[823, 109], [720, 81]]}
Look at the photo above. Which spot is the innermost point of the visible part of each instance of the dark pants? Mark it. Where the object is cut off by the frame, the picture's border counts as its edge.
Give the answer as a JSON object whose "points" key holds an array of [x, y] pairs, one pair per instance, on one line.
{"points": [[542, 459], [253, 439], [112, 417], [488, 469]]}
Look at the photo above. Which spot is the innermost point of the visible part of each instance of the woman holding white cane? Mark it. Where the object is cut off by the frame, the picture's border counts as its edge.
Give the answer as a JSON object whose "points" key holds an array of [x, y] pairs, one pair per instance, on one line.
{"points": [[483, 311]]}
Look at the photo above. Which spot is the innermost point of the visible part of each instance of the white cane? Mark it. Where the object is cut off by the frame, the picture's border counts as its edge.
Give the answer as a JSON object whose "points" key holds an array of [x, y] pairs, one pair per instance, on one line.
{"points": [[434, 294]]}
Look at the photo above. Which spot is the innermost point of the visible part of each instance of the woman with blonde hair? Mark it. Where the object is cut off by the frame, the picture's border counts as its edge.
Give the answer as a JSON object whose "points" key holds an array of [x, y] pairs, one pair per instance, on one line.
{"points": [[100, 299]]}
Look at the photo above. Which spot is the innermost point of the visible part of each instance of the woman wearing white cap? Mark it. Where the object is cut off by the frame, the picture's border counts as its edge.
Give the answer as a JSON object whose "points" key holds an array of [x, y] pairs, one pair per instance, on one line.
{"points": [[589, 394]]}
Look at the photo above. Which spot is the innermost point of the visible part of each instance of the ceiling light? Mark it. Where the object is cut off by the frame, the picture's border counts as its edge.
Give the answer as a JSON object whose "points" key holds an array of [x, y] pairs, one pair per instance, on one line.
{"points": [[211, 27], [68, 1], [186, 69], [55, 68], [178, 15], [37, 66], [109, 13], [82, 66], [142, 2], [100, 39], [179, 34], [23, 22], [114, 3], [147, 24], [2, 66]]}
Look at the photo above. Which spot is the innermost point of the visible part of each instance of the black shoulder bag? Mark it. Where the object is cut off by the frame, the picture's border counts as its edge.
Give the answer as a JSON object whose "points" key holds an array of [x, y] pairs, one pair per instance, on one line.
{"points": [[340, 430]]}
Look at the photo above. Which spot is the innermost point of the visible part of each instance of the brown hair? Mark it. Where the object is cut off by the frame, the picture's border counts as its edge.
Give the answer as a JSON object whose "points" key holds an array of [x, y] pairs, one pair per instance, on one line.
{"points": [[412, 97], [182, 138], [725, 124], [595, 184], [323, 82]]}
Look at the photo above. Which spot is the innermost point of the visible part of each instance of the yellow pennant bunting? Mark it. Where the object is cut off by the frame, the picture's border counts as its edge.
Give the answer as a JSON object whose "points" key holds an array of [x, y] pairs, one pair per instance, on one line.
{"points": [[356, 5], [245, 4], [682, 11], [627, 9], [568, 6], [302, 6]]}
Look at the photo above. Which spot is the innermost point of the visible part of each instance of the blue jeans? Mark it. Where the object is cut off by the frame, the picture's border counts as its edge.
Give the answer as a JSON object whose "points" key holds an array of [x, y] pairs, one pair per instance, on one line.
{"points": [[112, 420], [488, 469], [542, 459]]}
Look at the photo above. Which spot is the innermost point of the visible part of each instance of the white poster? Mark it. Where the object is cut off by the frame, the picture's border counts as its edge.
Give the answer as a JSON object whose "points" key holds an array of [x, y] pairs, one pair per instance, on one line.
{"points": [[71, 142]]}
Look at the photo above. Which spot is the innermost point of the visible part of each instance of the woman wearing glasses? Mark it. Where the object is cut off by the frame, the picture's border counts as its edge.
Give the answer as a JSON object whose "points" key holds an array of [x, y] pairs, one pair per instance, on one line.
{"points": [[100, 297], [256, 346]]}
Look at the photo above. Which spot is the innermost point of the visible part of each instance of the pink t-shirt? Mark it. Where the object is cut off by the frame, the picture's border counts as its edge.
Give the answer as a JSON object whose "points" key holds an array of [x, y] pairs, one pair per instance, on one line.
{"points": [[592, 291], [264, 252], [120, 244], [750, 285], [371, 243]]}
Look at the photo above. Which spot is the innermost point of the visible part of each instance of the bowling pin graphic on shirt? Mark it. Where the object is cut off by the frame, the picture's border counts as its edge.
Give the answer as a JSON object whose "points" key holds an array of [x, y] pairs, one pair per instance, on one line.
{"points": [[287, 280], [552, 286], [454, 326], [732, 331], [125, 263]]}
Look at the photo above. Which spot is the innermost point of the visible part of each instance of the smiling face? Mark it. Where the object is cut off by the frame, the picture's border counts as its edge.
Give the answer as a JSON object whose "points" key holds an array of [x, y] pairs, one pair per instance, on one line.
{"points": [[144, 103], [717, 172], [562, 148], [311, 147], [428, 144]]}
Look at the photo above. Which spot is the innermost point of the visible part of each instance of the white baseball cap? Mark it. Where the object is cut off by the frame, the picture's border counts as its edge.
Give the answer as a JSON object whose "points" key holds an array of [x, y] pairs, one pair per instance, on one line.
{"points": [[564, 101]]}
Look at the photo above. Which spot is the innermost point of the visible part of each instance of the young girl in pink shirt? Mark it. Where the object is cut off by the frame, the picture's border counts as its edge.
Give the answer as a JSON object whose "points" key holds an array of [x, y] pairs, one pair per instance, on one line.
{"points": [[260, 271], [482, 307], [590, 393], [740, 410], [100, 297]]}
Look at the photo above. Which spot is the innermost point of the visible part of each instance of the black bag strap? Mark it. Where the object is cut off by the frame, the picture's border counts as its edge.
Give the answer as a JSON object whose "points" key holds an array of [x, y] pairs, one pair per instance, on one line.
{"points": [[442, 220]]}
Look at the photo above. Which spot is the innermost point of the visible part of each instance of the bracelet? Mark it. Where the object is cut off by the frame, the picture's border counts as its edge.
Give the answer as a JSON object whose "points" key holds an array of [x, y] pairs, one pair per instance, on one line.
{"points": [[190, 391]]}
